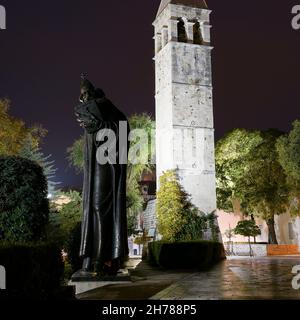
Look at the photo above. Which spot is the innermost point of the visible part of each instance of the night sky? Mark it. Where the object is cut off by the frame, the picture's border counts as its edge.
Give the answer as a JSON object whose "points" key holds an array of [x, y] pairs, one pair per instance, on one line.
{"points": [[48, 44]]}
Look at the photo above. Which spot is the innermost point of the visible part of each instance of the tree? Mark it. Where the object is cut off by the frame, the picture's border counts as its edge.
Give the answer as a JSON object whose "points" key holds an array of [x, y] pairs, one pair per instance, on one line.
{"points": [[229, 234], [134, 171], [141, 122], [248, 170], [63, 219], [172, 202], [247, 228], [178, 219], [24, 207], [76, 155], [134, 204], [16, 139], [13, 131], [288, 147], [232, 154], [264, 191], [32, 151], [64, 228]]}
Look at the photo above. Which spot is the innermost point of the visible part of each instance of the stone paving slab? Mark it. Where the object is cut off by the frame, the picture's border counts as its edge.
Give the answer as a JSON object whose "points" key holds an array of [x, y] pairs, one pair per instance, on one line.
{"points": [[146, 282], [238, 279]]}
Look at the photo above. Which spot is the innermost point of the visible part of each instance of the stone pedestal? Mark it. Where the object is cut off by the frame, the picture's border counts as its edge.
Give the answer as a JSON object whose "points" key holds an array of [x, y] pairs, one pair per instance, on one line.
{"points": [[84, 284]]}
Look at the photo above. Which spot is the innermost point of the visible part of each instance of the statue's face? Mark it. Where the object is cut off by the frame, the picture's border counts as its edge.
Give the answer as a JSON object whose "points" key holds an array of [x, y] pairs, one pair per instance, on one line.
{"points": [[84, 95]]}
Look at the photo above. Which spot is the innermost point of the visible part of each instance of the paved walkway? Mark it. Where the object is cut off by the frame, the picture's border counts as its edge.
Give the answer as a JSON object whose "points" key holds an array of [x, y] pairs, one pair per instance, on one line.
{"points": [[146, 282], [237, 279]]}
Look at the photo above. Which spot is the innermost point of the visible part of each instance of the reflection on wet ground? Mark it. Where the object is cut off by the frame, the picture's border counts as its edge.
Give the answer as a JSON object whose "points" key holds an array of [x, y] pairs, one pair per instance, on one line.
{"points": [[243, 278]]}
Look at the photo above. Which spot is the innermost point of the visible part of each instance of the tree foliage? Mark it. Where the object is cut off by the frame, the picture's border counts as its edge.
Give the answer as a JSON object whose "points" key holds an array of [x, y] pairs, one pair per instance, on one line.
{"points": [[16, 139], [177, 218], [134, 204], [63, 219], [64, 228], [263, 187], [13, 132], [135, 171], [288, 147], [248, 170], [232, 155], [146, 123], [172, 202], [247, 228], [24, 208], [33, 152], [76, 154]]}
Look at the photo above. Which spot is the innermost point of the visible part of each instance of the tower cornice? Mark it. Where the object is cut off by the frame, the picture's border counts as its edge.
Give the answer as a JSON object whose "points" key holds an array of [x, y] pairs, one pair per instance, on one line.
{"points": [[200, 4]]}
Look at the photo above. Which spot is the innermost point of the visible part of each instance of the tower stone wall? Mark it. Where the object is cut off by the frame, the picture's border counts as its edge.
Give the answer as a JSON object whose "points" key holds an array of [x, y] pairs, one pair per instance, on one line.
{"points": [[184, 99]]}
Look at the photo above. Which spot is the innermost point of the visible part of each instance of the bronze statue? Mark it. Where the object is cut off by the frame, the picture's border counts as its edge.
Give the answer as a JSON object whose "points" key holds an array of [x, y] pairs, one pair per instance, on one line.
{"points": [[104, 243]]}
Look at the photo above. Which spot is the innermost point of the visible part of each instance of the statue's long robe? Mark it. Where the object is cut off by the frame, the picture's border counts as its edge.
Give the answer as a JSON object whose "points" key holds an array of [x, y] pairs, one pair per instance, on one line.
{"points": [[104, 223]]}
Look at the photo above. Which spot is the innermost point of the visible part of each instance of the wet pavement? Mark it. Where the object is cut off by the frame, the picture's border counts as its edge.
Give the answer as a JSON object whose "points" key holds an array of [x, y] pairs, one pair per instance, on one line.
{"points": [[267, 278], [245, 278]]}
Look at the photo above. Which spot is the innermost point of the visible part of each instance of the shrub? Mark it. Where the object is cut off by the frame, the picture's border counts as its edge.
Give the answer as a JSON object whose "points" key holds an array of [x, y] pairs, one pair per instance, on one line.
{"points": [[72, 248], [24, 207], [194, 227], [65, 230], [173, 207], [32, 270], [185, 254], [65, 218], [178, 218]]}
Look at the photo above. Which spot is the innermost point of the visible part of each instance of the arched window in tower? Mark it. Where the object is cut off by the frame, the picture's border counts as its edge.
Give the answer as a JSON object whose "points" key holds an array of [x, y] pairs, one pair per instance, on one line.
{"points": [[198, 39], [182, 36]]}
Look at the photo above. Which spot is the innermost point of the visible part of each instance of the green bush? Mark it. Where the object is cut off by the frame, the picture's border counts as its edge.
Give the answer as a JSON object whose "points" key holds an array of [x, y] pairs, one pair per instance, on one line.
{"points": [[194, 228], [185, 255], [178, 219], [65, 230], [32, 270], [72, 248], [63, 220], [24, 207]]}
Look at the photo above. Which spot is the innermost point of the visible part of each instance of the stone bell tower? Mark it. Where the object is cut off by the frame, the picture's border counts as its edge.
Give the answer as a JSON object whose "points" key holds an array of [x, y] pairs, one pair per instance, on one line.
{"points": [[184, 104]]}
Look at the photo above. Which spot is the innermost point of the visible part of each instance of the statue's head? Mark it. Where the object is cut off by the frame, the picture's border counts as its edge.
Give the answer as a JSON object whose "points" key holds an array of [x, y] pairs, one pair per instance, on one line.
{"points": [[88, 91]]}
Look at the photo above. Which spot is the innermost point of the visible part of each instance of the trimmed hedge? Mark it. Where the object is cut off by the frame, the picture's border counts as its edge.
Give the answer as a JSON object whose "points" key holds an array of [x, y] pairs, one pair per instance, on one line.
{"points": [[185, 255], [32, 270]]}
